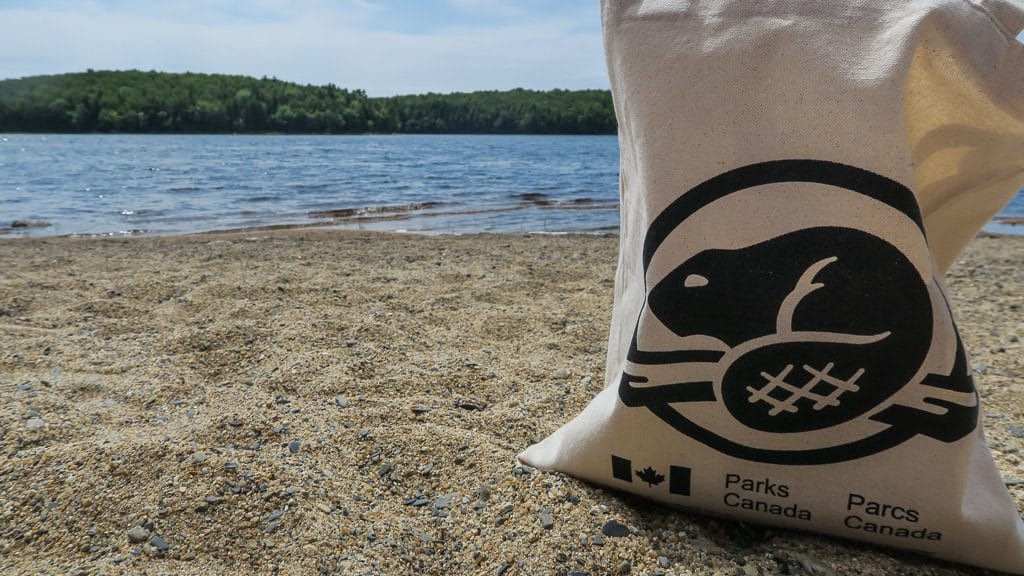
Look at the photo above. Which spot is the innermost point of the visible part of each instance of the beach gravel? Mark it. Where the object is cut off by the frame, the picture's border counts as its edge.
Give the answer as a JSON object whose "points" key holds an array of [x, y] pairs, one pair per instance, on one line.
{"points": [[324, 402]]}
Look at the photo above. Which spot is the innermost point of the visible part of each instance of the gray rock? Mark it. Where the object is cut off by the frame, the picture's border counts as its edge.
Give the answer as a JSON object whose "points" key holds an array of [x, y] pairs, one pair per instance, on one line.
{"points": [[445, 502], [614, 529], [502, 569], [276, 514], [138, 534], [547, 521], [198, 458], [159, 543], [294, 446], [1016, 430], [663, 562], [34, 423], [385, 469], [625, 568]]}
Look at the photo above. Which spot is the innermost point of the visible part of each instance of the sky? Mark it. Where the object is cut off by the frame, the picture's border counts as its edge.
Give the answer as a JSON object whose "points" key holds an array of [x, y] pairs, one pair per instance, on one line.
{"points": [[385, 47]]}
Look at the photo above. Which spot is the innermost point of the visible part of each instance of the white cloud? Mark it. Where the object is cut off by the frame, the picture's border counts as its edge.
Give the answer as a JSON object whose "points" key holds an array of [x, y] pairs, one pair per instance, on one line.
{"points": [[343, 42]]}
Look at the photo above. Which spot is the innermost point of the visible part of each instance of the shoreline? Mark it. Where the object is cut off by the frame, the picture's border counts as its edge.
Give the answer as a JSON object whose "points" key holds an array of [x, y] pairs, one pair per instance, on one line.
{"points": [[303, 400], [1009, 226]]}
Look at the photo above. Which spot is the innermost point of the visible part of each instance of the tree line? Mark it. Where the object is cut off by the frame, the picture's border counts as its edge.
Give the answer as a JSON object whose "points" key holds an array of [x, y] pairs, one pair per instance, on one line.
{"points": [[159, 102]]}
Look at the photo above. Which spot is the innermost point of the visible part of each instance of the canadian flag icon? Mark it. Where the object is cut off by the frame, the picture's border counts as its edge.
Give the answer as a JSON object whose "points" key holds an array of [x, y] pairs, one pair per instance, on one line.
{"points": [[678, 476]]}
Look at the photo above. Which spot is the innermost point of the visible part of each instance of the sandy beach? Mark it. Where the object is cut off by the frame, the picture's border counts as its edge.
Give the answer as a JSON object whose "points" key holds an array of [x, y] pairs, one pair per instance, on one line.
{"points": [[323, 402]]}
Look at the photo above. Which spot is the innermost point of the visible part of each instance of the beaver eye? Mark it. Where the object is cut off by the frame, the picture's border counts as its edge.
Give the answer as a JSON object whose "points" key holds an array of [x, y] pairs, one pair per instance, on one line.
{"points": [[695, 281]]}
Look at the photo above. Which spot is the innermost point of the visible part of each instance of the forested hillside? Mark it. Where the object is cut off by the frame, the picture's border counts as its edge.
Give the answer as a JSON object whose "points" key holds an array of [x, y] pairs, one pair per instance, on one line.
{"points": [[157, 102]]}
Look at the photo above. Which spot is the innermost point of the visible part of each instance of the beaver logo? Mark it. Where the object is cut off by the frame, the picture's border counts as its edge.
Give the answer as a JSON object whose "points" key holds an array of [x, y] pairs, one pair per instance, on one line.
{"points": [[821, 333]]}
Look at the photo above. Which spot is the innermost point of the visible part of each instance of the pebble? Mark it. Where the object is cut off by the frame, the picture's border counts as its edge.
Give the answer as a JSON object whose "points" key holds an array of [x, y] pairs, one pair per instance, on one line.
{"points": [[324, 508], [615, 529], [663, 561], [502, 569], [294, 446], [341, 402], [34, 423], [198, 458], [1016, 430], [159, 543], [470, 404], [351, 343], [547, 521], [625, 568], [275, 515], [598, 540], [138, 534], [522, 470], [384, 470]]}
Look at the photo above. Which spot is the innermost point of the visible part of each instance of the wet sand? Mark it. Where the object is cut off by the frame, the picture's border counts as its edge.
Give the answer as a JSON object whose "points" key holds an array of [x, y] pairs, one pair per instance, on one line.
{"points": [[312, 401]]}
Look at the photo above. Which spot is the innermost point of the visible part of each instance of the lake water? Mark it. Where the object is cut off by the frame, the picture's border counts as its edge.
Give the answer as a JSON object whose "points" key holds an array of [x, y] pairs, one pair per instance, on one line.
{"points": [[171, 184]]}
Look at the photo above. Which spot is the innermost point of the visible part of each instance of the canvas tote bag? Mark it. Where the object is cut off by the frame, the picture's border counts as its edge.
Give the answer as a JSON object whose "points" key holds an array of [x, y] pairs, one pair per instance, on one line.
{"points": [[796, 177]]}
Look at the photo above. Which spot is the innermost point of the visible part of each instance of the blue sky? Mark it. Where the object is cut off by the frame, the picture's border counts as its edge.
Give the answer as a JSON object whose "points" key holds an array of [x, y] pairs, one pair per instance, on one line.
{"points": [[382, 46]]}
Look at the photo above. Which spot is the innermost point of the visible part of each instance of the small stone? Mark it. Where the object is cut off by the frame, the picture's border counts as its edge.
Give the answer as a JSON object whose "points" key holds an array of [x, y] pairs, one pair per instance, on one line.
{"points": [[663, 561], [364, 433], [1013, 482], [351, 343], [341, 402], [419, 409], [561, 374], [502, 569], [470, 404], [483, 492], [749, 570], [614, 529], [276, 514], [547, 521], [625, 568], [198, 458], [385, 469], [324, 508], [445, 502], [159, 543], [34, 423], [138, 534], [1016, 430], [294, 446], [598, 540], [282, 400], [213, 499], [522, 470]]}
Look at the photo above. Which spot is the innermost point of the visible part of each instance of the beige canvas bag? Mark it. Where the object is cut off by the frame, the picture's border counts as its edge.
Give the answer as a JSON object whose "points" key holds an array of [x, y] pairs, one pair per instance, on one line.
{"points": [[796, 178]]}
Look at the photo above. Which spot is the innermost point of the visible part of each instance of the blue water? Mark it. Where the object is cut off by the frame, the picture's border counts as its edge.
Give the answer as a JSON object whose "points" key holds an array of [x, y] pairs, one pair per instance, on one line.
{"points": [[136, 185], [129, 185]]}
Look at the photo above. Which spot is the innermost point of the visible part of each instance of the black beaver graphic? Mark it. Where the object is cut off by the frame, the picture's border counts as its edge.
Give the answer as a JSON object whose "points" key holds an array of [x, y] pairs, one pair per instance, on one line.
{"points": [[851, 310], [799, 332]]}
